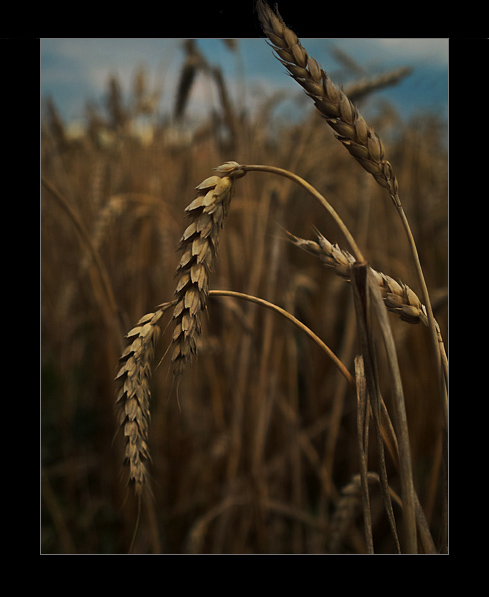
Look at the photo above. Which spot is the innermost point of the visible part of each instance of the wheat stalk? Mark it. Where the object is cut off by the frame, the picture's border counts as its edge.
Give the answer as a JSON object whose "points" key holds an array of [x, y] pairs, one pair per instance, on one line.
{"points": [[198, 246], [359, 139]]}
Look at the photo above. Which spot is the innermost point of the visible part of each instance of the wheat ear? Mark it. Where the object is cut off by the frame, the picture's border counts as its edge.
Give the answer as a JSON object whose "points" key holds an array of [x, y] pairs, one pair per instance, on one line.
{"points": [[198, 246], [350, 128], [347, 507], [133, 399], [398, 297]]}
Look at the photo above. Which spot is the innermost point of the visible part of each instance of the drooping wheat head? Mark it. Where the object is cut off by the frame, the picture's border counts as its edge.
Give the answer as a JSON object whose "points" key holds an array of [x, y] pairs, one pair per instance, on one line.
{"points": [[398, 297], [198, 246], [133, 399]]}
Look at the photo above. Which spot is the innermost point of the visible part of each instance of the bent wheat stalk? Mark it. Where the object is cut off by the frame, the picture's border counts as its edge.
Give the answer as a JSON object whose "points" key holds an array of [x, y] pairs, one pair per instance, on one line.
{"points": [[259, 301], [352, 131]]}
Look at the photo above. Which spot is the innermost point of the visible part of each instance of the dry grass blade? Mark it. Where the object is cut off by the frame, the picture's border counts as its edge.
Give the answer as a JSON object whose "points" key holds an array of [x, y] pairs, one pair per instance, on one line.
{"points": [[360, 277], [366, 293], [362, 438], [400, 421]]}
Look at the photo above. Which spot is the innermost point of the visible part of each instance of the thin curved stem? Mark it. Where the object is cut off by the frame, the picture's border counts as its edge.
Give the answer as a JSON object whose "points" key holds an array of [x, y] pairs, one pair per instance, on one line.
{"points": [[253, 299], [314, 193], [435, 334]]}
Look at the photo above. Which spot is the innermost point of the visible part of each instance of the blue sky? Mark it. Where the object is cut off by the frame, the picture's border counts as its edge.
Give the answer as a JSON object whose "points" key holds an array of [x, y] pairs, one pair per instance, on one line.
{"points": [[75, 70]]}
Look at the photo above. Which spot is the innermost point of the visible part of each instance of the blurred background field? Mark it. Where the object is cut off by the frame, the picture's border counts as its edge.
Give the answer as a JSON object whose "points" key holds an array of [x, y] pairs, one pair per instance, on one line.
{"points": [[254, 453]]}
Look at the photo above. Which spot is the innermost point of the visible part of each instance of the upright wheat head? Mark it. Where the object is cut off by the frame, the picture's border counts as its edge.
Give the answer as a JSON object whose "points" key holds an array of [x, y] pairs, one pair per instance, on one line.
{"points": [[350, 128]]}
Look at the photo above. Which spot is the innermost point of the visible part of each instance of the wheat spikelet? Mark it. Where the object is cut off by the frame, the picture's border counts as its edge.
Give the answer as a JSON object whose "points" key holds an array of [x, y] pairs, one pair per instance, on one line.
{"points": [[198, 246], [350, 128], [347, 508], [133, 400], [398, 297]]}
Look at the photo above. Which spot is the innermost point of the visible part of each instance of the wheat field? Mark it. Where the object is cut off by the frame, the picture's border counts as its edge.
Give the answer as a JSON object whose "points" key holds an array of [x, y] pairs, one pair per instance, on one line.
{"points": [[244, 329]]}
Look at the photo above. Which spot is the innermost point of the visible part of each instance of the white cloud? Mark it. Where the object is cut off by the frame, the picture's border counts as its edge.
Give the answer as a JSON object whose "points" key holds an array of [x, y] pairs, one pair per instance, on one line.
{"points": [[433, 49]]}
